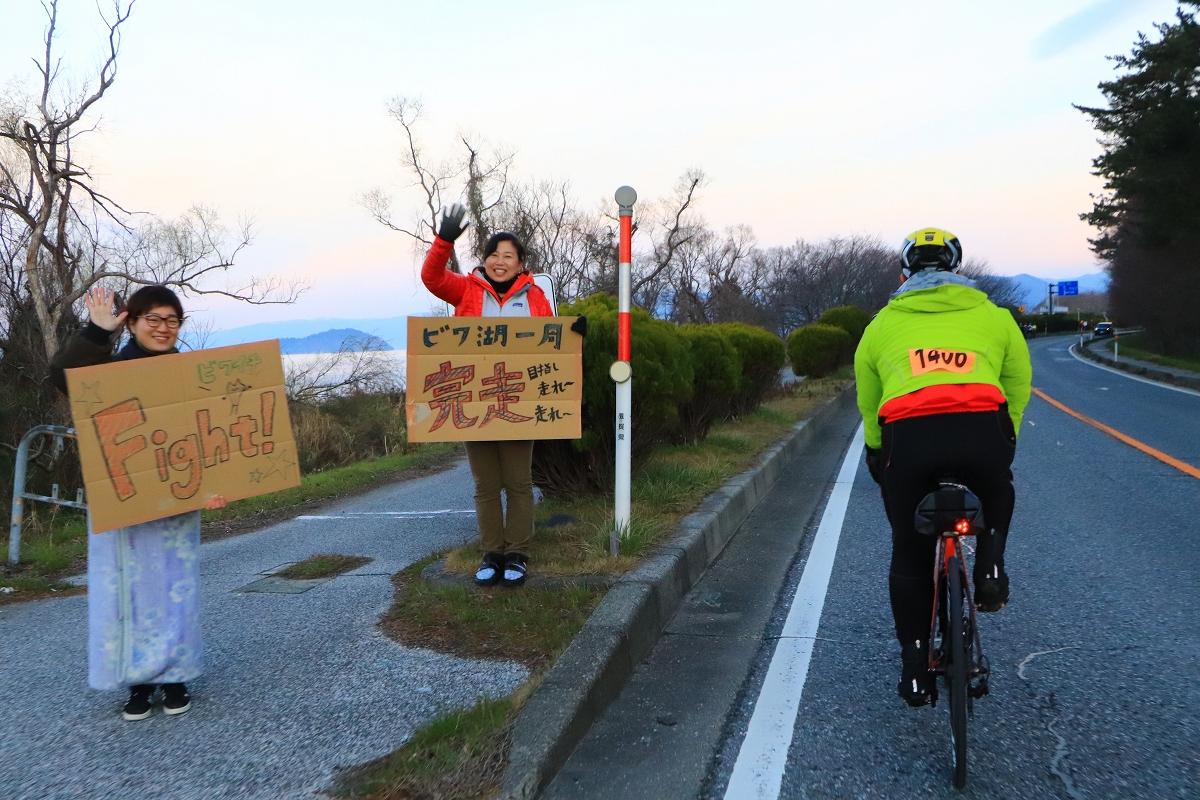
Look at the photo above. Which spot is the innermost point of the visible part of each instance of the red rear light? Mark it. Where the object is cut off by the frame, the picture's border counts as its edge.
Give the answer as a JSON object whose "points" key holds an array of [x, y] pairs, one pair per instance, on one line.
{"points": [[963, 526]]}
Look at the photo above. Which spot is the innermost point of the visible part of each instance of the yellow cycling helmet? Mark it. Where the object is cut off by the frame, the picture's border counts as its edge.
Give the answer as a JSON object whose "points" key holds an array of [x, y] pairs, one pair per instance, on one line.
{"points": [[931, 248]]}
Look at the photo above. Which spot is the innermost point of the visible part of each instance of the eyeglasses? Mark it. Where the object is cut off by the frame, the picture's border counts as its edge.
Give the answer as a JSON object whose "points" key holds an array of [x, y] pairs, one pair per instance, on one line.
{"points": [[154, 320]]}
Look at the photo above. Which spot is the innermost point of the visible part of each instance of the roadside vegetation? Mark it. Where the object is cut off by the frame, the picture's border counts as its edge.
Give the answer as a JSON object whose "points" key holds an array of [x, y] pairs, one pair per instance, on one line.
{"points": [[463, 754], [1144, 347]]}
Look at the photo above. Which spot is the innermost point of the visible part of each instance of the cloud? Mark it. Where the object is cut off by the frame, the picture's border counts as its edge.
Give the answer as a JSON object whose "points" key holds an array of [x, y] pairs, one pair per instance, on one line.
{"points": [[1081, 26]]}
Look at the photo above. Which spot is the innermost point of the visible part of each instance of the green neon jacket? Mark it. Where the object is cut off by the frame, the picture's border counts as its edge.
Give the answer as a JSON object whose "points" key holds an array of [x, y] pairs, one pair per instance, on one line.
{"points": [[947, 317]]}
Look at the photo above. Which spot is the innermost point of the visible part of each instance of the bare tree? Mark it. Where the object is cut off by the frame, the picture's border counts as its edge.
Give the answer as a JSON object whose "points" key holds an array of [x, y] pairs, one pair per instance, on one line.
{"points": [[807, 279], [715, 279], [577, 249], [61, 234], [674, 226], [196, 334], [442, 183], [1002, 291]]}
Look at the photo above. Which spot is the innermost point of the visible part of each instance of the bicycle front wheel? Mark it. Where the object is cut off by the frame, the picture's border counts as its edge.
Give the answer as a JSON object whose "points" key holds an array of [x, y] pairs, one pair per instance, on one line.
{"points": [[957, 670]]}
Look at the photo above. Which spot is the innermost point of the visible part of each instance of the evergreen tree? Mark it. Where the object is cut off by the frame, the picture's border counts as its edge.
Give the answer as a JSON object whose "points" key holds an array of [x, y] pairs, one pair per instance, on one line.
{"points": [[1148, 218]]}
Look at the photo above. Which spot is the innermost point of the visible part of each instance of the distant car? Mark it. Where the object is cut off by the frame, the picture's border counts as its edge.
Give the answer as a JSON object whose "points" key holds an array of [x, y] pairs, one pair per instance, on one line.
{"points": [[1103, 329]]}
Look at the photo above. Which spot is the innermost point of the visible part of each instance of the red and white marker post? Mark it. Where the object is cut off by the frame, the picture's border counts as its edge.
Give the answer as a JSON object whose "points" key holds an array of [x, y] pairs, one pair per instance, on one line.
{"points": [[622, 374]]}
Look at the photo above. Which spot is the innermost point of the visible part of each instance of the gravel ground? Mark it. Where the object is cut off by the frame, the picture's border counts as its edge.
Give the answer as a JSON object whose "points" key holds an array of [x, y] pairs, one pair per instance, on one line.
{"points": [[296, 685]]}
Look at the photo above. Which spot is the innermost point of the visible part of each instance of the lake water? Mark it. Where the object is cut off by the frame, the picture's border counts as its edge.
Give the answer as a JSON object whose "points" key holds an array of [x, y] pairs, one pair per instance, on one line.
{"points": [[398, 359]]}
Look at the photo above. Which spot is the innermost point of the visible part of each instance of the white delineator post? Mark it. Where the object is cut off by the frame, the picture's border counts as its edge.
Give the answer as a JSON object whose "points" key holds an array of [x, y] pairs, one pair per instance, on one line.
{"points": [[622, 374]]}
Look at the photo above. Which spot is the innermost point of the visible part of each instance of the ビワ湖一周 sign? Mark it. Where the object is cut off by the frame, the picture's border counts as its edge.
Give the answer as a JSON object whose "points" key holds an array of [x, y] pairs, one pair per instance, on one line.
{"points": [[493, 378]]}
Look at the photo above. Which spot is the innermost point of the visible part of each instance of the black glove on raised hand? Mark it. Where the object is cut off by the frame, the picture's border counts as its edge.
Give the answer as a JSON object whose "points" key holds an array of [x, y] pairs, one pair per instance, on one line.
{"points": [[452, 222], [580, 326], [875, 464]]}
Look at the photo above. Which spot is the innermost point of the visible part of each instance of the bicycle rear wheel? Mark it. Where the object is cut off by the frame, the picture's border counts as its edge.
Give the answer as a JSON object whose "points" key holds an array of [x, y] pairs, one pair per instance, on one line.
{"points": [[957, 670]]}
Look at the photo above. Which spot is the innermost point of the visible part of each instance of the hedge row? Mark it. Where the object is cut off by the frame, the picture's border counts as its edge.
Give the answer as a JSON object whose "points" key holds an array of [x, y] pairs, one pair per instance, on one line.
{"points": [[818, 349], [684, 379]]}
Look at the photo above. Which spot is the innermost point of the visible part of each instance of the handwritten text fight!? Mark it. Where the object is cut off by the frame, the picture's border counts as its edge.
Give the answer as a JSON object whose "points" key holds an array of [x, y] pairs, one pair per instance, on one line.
{"points": [[185, 458]]}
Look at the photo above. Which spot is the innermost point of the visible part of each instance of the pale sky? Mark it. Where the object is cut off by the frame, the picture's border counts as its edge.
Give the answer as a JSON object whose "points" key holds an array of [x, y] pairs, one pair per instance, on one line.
{"points": [[811, 119]]}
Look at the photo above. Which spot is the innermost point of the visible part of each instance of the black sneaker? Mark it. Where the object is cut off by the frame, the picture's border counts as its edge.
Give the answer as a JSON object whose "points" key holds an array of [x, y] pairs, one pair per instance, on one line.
{"points": [[918, 686], [489, 570], [991, 589], [176, 699], [515, 567], [139, 705]]}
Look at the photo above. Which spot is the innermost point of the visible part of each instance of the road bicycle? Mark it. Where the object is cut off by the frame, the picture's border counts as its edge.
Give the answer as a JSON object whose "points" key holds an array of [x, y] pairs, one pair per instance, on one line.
{"points": [[951, 513]]}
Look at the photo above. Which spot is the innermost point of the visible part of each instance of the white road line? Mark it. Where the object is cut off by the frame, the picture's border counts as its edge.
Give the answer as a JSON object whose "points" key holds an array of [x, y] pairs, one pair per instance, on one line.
{"points": [[758, 771], [1125, 374], [412, 514]]}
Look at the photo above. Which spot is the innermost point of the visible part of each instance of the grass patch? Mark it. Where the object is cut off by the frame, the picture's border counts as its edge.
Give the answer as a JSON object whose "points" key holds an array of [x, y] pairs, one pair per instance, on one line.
{"points": [[322, 565], [53, 545], [459, 756], [54, 539], [671, 485], [1140, 346], [528, 625]]}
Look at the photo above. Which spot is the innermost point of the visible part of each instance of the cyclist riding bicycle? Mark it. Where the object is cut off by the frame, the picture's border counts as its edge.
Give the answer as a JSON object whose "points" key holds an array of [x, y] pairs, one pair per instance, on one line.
{"points": [[943, 378]]}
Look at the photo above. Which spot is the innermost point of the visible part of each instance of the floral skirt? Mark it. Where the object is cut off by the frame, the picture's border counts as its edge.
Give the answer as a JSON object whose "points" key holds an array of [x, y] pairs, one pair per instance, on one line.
{"points": [[144, 603]]}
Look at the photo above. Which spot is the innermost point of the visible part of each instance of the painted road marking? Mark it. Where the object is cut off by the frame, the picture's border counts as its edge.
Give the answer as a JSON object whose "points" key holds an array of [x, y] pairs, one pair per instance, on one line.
{"points": [[1124, 374], [758, 771], [1182, 466], [413, 514]]}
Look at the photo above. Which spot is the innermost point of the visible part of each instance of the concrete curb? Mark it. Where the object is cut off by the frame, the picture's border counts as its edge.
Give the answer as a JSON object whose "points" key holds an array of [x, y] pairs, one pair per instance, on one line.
{"points": [[623, 629], [1137, 368]]}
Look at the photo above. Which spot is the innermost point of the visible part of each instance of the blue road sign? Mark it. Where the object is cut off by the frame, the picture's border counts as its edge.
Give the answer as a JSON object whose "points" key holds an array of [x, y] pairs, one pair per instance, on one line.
{"points": [[1068, 288]]}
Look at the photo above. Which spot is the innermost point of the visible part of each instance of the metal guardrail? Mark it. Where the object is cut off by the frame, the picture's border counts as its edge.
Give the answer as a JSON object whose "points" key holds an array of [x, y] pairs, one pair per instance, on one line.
{"points": [[20, 495]]}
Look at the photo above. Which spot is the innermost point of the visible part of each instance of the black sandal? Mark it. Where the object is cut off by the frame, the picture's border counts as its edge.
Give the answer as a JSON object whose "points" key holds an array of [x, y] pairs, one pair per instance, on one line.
{"points": [[490, 570], [515, 567]]}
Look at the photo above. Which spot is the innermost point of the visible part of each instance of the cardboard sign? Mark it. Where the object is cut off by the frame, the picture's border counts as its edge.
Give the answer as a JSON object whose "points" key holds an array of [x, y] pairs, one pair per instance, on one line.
{"points": [[493, 378], [158, 436]]}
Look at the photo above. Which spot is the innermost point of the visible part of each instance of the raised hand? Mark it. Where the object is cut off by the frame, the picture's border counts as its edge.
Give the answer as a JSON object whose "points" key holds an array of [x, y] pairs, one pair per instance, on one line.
{"points": [[453, 223], [99, 303]]}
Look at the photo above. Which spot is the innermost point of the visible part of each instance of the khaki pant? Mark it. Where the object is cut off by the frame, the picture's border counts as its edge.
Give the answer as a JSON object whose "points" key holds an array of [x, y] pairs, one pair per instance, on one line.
{"points": [[496, 466]]}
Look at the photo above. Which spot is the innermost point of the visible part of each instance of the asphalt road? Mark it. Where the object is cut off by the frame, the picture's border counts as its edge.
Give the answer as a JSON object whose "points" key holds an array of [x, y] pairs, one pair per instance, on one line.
{"points": [[1095, 689], [295, 685]]}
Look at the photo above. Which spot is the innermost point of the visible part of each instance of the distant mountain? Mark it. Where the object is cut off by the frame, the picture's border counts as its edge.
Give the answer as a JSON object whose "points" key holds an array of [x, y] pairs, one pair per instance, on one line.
{"points": [[1033, 289], [393, 330], [323, 342]]}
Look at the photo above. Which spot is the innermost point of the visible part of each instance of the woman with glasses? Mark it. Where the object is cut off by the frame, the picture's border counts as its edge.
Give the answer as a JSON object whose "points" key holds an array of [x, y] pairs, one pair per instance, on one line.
{"points": [[143, 580]]}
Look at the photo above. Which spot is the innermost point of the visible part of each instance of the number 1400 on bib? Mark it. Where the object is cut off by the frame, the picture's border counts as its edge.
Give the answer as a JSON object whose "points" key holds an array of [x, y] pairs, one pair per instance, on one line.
{"points": [[924, 360]]}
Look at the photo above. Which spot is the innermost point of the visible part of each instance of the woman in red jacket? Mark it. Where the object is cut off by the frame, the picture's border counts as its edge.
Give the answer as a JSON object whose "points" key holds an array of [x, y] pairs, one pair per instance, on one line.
{"points": [[502, 287]]}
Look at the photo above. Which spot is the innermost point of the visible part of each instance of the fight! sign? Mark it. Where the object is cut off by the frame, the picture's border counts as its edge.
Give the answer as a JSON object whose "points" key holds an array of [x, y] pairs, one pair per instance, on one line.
{"points": [[493, 378], [158, 435]]}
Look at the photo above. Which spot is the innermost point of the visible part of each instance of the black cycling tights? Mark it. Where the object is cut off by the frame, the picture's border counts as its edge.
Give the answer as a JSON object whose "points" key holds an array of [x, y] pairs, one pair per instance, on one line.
{"points": [[978, 449]]}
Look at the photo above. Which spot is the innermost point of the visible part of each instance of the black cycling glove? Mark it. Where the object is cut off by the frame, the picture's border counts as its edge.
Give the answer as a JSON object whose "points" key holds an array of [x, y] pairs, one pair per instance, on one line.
{"points": [[875, 464], [580, 326], [452, 223]]}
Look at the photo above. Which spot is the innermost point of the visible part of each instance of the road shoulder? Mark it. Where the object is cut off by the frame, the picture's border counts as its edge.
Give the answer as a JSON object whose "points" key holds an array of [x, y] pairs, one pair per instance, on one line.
{"points": [[629, 622]]}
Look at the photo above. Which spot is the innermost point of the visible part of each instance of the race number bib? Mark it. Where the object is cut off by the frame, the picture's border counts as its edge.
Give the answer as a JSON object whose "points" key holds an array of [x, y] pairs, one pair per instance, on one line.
{"points": [[927, 360]]}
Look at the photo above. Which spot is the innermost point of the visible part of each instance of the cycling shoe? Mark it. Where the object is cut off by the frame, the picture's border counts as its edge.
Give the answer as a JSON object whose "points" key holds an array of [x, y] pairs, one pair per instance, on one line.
{"points": [[918, 686], [991, 589]]}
